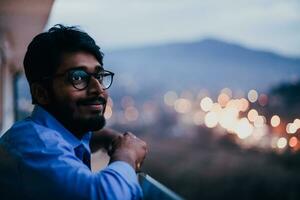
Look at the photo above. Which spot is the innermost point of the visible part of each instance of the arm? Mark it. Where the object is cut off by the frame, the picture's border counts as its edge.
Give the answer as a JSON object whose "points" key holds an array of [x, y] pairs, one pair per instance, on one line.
{"points": [[120, 147], [52, 171]]}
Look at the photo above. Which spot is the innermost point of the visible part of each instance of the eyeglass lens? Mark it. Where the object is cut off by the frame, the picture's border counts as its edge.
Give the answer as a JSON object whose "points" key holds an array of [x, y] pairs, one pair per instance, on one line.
{"points": [[80, 78]]}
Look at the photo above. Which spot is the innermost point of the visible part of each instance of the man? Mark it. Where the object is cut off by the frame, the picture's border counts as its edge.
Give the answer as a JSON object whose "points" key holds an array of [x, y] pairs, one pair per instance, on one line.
{"points": [[47, 155]]}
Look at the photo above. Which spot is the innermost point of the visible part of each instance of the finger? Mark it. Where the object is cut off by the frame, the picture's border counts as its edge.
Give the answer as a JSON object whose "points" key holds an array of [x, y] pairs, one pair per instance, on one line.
{"points": [[127, 133], [138, 167], [113, 144]]}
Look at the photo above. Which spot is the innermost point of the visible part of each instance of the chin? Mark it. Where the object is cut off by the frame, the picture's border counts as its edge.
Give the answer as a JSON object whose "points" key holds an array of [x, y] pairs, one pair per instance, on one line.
{"points": [[93, 123]]}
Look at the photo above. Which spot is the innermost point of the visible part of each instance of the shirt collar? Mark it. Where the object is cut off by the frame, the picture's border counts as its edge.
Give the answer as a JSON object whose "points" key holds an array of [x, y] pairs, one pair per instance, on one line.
{"points": [[42, 117]]}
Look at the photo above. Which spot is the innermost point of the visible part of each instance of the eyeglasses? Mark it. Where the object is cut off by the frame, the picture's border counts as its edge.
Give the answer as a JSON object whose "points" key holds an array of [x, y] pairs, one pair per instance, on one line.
{"points": [[80, 79]]}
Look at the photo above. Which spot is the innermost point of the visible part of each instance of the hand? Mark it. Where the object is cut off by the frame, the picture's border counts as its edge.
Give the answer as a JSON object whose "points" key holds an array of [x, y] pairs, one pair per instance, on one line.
{"points": [[129, 148], [103, 139]]}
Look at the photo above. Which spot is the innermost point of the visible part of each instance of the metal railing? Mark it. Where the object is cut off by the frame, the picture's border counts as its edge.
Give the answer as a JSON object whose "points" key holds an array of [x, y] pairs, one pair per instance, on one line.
{"points": [[153, 189]]}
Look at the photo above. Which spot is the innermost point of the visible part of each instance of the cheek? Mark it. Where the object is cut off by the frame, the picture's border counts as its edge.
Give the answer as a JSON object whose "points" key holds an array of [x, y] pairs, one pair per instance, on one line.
{"points": [[66, 96], [72, 99], [105, 94]]}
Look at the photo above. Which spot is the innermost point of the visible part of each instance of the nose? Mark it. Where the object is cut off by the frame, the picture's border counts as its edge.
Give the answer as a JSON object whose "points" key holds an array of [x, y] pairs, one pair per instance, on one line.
{"points": [[95, 86]]}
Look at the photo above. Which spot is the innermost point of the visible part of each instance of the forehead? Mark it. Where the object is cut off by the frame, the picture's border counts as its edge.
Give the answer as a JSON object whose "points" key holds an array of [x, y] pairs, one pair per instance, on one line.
{"points": [[78, 59]]}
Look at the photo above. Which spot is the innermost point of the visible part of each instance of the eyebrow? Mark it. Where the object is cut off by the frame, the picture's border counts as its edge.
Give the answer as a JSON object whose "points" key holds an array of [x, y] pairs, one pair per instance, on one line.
{"points": [[97, 68]]}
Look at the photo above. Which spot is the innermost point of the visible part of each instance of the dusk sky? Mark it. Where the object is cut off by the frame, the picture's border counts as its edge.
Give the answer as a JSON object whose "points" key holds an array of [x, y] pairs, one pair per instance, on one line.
{"points": [[272, 25]]}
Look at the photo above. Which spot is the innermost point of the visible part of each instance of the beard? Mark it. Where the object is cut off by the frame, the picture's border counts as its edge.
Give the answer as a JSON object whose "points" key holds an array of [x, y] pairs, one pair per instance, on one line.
{"points": [[77, 123], [92, 123]]}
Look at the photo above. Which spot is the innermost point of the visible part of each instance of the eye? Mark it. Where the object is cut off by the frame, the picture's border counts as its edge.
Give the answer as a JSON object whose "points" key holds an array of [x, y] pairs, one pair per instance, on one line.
{"points": [[99, 76], [78, 76]]}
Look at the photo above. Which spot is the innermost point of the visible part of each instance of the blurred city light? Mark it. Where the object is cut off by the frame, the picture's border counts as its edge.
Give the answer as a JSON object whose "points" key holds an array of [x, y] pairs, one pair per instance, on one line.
{"points": [[291, 128], [243, 128], [170, 98], [227, 91], [252, 115], [238, 116], [206, 104], [293, 141], [281, 143], [259, 121], [182, 105], [252, 96], [131, 113], [275, 120], [127, 101], [211, 119], [297, 123], [223, 99], [243, 104], [263, 99]]}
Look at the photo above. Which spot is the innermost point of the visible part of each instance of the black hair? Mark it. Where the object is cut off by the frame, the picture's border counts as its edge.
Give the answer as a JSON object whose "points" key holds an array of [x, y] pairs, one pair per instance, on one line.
{"points": [[45, 51]]}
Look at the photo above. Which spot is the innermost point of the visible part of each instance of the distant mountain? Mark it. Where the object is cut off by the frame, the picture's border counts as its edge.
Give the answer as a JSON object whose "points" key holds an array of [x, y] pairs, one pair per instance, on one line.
{"points": [[209, 64]]}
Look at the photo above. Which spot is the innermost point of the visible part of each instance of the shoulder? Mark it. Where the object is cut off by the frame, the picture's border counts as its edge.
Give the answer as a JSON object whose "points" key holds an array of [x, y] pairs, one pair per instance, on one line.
{"points": [[26, 135]]}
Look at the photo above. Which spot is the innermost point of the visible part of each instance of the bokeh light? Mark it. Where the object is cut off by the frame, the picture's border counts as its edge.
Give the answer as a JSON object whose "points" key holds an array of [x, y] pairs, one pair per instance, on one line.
{"points": [[216, 108], [211, 119], [127, 101], [259, 121], [263, 99], [223, 99], [252, 96], [293, 141], [297, 123], [252, 115], [291, 128], [182, 105], [243, 129], [227, 91], [131, 113], [228, 118], [281, 143], [170, 98], [206, 104], [275, 120], [243, 104]]}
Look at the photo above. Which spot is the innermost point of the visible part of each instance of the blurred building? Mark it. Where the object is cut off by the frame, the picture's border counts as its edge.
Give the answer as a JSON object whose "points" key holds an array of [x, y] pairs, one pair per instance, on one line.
{"points": [[20, 21]]}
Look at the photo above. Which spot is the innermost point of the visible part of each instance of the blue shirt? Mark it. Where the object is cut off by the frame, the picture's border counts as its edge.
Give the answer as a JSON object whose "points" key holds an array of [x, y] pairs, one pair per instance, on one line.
{"points": [[38, 161]]}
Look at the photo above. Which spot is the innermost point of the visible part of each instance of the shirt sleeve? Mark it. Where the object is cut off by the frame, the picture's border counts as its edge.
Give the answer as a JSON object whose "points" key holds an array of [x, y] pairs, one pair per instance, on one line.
{"points": [[52, 171]]}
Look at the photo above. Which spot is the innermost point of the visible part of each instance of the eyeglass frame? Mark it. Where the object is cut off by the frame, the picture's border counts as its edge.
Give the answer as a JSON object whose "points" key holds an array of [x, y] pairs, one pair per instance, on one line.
{"points": [[67, 72]]}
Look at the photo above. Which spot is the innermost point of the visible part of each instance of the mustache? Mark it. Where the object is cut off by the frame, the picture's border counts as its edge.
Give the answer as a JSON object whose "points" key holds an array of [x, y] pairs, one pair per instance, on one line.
{"points": [[93, 100]]}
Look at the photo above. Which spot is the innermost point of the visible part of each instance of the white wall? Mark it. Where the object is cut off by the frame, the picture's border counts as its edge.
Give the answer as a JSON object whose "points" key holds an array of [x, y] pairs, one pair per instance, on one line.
{"points": [[8, 105]]}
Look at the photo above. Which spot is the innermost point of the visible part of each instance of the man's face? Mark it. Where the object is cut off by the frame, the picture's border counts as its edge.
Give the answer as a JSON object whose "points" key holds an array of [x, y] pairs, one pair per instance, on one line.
{"points": [[78, 110]]}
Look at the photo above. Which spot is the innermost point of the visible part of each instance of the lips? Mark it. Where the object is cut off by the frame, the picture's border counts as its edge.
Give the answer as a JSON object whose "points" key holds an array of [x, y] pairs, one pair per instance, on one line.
{"points": [[98, 107], [97, 104]]}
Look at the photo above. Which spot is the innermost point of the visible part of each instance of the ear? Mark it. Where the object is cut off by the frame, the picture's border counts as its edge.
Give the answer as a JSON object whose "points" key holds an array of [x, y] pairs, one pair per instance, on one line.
{"points": [[40, 93]]}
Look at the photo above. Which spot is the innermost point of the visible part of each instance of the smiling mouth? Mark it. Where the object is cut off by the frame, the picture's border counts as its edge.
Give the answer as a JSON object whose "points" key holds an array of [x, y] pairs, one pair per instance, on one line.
{"points": [[94, 105]]}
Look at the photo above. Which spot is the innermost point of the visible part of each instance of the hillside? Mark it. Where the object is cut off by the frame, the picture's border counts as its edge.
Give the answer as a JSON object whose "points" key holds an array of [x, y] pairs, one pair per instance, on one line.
{"points": [[209, 64]]}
